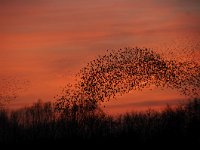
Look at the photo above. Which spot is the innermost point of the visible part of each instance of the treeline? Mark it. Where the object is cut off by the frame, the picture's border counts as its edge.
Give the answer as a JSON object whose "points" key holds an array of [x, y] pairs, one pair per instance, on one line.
{"points": [[42, 123]]}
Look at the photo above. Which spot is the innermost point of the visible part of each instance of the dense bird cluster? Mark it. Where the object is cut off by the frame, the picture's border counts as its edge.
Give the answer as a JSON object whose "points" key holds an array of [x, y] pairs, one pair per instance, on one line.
{"points": [[121, 71]]}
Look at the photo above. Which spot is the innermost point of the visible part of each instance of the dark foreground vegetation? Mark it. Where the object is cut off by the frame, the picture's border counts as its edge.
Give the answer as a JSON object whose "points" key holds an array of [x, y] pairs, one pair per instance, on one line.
{"points": [[42, 124]]}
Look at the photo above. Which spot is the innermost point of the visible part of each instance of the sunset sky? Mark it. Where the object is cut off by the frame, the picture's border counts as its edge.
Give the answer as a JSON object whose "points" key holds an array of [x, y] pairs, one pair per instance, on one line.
{"points": [[46, 42]]}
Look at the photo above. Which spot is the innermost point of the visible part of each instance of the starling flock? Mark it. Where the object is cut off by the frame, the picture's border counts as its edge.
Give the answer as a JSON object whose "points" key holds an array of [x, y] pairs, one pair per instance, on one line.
{"points": [[10, 88], [124, 70]]}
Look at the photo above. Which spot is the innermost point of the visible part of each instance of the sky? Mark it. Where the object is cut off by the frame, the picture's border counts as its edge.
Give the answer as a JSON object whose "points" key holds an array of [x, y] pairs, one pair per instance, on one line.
{"points": [[46, 42]]}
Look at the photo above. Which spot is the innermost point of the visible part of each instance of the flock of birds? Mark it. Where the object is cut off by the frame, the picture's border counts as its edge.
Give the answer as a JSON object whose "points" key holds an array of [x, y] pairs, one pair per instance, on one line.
{"points": [[124, 70], [10, 87], [115, 73]]}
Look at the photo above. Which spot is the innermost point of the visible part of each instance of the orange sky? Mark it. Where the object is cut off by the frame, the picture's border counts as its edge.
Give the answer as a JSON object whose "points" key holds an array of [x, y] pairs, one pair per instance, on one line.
{"points": [[47, 41]]}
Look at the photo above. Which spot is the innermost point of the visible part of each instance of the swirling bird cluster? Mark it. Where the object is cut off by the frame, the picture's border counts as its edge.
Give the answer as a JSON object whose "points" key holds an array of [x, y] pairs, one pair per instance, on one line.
{"points": [[124, 70]]}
